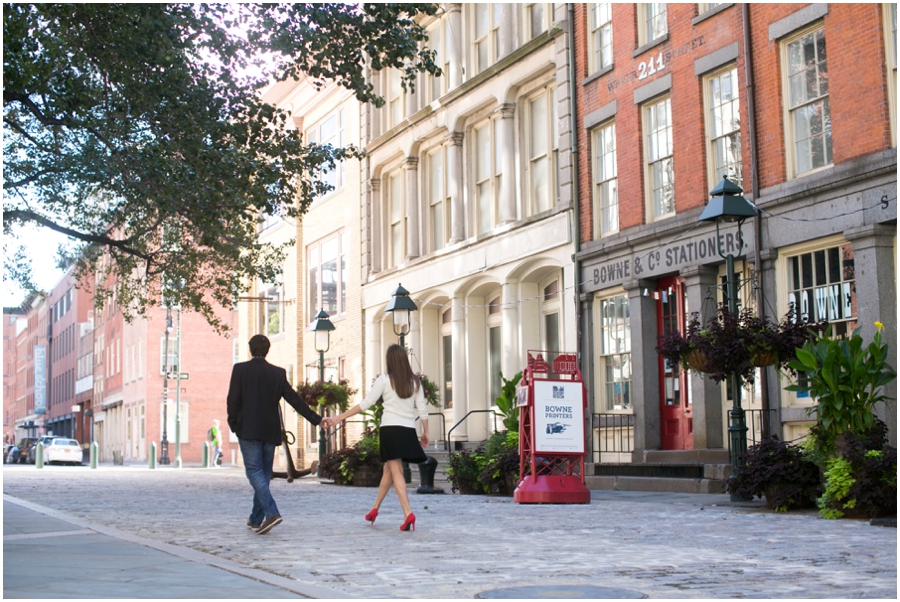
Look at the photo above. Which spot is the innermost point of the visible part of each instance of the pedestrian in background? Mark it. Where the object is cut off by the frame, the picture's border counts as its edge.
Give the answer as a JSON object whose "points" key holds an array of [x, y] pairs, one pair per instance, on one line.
{"points": [[254, 416], [404, 400], [215, 436]]}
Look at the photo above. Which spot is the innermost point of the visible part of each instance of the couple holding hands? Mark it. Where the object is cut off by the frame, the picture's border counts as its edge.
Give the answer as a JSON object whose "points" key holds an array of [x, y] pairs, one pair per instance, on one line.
{"points": [[257, 386]]}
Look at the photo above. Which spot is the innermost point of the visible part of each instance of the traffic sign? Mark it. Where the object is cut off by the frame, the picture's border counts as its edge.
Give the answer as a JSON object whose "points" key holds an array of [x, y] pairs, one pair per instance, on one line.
{"points": [[175, 376]]}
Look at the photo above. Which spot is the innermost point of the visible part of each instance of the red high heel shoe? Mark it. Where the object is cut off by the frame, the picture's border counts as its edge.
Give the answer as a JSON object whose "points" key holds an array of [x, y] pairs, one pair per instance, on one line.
{"points": [[409, 522], [373, 513]]}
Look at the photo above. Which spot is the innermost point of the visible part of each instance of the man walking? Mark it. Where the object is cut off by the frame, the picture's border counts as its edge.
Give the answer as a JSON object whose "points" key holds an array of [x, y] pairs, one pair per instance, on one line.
{"points": [[254, 416]]}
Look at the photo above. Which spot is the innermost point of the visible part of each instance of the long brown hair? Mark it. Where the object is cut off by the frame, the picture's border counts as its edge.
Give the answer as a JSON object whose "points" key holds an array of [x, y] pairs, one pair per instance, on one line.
{"points": [[403, 380]]}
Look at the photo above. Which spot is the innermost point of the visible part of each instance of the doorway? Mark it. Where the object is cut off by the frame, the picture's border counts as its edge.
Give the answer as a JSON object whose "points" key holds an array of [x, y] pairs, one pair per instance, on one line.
{"points": [[676, 411]]}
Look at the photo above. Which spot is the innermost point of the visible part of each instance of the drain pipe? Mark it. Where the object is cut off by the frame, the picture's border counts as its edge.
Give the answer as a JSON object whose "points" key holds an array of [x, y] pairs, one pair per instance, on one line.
{"points": [[573, 150], [754, 185]]}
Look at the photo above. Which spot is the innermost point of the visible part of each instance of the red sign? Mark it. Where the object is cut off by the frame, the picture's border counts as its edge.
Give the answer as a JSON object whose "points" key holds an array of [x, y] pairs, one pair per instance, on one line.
{"points": [[538, 365], [564, 364]]}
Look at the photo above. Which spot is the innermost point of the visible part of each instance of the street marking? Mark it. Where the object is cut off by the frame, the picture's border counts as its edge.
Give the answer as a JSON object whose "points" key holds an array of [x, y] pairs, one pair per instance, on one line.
{"points": [[50, 534]]}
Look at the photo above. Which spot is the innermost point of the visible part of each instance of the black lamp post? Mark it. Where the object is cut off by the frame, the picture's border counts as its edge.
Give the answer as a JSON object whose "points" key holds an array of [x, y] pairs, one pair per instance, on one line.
{"points": [[400, 307], [728, 205], [322, 327], [164, 443]]}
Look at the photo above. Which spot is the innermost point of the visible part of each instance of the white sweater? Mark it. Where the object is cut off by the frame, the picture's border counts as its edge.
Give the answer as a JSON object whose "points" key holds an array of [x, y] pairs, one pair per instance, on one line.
{"points": [[398, 411]]}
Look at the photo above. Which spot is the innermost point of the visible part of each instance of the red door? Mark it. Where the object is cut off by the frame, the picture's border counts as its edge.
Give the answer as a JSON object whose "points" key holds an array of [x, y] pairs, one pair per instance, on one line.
{"points": [[675, 408]]}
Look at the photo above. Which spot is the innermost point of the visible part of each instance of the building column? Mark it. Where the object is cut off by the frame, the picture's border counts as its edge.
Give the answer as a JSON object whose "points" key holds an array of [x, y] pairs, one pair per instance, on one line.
{"points": [[460, 381], [374, 352], [512, 358], [876, 300], [454, 46], [412, 207], [455, 188], [645, 367], [506, 30], [529, 318], [706, 394], [477, 392], [506, 132], [376, 225]]}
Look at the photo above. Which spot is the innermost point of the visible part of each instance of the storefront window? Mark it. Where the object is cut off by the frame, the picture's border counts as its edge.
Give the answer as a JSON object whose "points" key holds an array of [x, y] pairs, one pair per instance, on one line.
{"points": [[615, 353], [822, 286]]}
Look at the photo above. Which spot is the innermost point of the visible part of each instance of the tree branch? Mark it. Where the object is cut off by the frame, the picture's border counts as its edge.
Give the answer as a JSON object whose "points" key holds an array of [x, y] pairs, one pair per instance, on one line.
{"points": [[27, 215]]}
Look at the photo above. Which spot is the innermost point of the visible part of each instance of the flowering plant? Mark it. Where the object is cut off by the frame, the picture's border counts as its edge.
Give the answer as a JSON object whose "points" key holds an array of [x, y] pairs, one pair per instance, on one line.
{"points": [[431, 391], [845, 378]]}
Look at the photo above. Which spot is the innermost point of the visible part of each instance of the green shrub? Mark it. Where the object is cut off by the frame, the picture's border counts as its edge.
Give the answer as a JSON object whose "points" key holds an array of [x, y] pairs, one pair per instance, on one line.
{"points": [[777, 470]]}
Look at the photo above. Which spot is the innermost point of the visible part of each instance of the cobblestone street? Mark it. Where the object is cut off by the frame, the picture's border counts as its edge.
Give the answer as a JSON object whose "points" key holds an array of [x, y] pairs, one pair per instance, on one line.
{"points": [[663, 545]]}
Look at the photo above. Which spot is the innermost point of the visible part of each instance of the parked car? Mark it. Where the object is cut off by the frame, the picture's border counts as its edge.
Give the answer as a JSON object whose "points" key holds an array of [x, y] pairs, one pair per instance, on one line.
{"points": [[31, 456], [67, 451], [25, 444]]}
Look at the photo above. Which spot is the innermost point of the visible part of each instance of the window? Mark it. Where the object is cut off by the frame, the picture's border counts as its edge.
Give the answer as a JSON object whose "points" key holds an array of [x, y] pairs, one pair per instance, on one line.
{"points": [[495, 348], [809, 116], [706, 6], [328, 276], [537, 17], [614, 356], [660, 164], [447, 356], [486, 20], [487, 176], [394, 98], [550, 307], [439, 39], [272, 308], [330, 132], [543, 142], [438, 199], [651, 22], [890, 40], [822, 286], [396, 212], [723, 126], [606, 183], [172, 354], [599, 37], [267, 221]]}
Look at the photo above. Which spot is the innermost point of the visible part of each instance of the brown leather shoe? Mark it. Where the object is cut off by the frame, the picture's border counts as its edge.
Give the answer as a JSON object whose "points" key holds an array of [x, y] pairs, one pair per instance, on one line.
{"points": [[267, 524]]}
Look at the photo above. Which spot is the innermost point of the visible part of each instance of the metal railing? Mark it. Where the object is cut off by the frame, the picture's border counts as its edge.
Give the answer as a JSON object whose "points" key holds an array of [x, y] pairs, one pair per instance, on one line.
{"points": [[463, 419], [755, 427], [613, 433], [443, 428]]}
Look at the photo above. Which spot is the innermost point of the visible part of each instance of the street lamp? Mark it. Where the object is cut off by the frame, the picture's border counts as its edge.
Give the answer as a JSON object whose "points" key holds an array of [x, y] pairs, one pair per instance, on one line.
{"points": [[322, 327], [164, 442], [727, 205], [400, 307]]}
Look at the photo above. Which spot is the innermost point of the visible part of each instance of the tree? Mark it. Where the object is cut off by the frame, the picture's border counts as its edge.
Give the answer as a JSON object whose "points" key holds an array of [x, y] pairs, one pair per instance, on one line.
{"points": [[137, 130]]}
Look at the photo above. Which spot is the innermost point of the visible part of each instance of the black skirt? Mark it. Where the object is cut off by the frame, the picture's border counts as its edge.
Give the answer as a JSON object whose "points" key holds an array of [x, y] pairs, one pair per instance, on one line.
{"points": [[400, 442]]}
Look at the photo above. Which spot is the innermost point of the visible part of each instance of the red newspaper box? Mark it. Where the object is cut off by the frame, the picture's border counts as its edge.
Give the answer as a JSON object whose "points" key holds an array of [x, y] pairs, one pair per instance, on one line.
{"points": [[552, 404]]}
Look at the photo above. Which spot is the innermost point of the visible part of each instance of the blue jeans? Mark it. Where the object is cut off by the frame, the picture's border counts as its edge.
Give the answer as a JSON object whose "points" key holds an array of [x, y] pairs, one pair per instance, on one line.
{"points": [[258, 458]]}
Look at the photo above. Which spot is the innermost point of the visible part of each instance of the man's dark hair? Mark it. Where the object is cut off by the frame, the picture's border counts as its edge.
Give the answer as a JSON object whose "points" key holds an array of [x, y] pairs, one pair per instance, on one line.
{"points": [[259, 345]]}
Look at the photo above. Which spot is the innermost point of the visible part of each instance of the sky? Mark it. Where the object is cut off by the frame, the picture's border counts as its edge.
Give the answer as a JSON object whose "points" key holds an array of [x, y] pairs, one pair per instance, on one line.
{"points": [[40, 245]]}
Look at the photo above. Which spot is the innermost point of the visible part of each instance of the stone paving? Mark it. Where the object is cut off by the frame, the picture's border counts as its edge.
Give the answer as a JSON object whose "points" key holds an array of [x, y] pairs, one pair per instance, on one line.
{"points": [[664, 545]]}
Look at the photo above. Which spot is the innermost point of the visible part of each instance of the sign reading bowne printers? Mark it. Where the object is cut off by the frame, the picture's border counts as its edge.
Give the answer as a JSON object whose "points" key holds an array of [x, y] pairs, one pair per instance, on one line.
{"points": [[558, 417]]}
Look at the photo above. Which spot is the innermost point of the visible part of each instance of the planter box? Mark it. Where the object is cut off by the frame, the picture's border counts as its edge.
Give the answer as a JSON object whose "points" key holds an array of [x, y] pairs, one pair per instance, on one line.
{"points": [[367, 476], [469, 489]]}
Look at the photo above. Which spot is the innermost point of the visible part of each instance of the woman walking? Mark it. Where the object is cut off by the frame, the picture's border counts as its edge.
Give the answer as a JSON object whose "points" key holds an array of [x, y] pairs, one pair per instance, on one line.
{"points": [[404, 400]]}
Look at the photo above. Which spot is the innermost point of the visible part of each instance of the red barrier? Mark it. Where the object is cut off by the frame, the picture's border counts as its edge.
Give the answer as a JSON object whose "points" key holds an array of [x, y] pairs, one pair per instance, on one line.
{"points": [[552, 404]]}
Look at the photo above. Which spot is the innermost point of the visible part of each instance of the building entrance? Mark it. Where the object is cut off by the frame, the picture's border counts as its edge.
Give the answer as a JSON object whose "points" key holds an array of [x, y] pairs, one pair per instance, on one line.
{"points": [[676, 416]]}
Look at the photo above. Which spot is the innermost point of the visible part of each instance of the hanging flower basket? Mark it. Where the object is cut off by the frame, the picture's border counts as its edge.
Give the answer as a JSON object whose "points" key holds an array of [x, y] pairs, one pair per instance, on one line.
{"points": [[697, 360], [763, 357]]}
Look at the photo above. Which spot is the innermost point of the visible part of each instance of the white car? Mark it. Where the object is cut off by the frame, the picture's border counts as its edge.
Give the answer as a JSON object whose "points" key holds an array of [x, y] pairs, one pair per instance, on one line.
{"points": [[63, 450]]}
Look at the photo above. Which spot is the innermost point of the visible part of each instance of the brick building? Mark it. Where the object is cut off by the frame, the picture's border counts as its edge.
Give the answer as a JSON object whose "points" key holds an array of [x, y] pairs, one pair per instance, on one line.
{"points": [[14, 322], [796, 104]]}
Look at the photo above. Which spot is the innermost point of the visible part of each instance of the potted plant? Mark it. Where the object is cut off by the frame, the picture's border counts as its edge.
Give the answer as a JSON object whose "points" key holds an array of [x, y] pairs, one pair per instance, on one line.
{"points": [[862, 480], [327, 394], [501, 470], [845, 379], [463, 469], [507, 402], [778, 471], [358, 465]]}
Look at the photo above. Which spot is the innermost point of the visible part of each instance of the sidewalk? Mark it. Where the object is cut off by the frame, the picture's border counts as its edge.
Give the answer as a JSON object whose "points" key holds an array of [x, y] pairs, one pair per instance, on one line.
{"points": [[47, 554]]}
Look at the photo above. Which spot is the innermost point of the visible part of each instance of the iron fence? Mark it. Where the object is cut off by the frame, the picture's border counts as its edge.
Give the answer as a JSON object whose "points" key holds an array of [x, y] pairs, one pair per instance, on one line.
{"points": [[612, 433]]}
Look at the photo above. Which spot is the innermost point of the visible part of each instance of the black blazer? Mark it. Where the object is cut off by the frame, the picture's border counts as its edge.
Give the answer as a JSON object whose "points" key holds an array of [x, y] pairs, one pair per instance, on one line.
{"points": [[253, 395]]}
